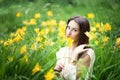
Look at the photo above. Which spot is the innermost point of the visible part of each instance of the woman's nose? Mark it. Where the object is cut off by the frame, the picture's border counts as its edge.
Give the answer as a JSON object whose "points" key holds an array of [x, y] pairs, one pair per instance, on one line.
{"points": [[69, 32]]}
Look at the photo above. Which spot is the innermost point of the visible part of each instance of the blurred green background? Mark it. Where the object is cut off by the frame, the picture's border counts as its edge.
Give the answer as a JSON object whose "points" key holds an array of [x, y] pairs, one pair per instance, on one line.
{"points": [[104, 10]]}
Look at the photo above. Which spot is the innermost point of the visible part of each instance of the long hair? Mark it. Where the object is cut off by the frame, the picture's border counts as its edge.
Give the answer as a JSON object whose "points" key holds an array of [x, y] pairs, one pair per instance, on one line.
{"points": [[84, 26]]}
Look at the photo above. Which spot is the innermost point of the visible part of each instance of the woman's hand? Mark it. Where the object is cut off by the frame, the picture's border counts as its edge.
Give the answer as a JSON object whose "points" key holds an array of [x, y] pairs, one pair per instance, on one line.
{"points": [[78, 50], [59, 67]]}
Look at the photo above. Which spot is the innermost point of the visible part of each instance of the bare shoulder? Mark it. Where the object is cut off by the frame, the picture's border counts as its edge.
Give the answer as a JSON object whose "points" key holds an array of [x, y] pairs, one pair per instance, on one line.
{"points": [[88, 57]]}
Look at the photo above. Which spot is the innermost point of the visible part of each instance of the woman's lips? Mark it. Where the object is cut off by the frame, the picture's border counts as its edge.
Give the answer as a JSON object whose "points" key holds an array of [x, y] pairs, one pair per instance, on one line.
{"points": [[68, 36]]}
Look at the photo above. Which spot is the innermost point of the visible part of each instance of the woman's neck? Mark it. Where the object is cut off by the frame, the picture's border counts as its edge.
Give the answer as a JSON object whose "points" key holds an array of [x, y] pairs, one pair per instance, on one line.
{"points": [[74, 45]]}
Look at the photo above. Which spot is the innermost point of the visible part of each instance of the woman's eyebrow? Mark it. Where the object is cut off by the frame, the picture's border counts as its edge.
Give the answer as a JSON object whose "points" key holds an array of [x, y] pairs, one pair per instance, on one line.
{"points": [[76, 28]]}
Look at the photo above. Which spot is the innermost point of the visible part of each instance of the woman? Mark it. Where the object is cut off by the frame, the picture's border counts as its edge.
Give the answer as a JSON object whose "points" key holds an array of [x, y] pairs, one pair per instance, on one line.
{"points": [[69, 64]]}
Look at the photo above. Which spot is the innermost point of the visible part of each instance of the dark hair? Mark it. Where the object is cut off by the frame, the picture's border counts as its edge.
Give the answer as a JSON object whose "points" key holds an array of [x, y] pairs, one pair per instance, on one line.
{"points": [[84, 26]]}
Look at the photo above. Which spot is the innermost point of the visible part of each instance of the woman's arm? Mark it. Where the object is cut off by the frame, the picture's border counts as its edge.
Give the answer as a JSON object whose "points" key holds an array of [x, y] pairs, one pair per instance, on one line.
{"points": [[83, 63]]}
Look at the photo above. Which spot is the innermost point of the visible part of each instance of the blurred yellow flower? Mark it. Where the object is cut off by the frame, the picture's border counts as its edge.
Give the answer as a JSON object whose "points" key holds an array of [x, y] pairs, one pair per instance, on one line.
{"points": [[23, 49], [62, 24], [107, 27], [42, 32], [32, 22], [41, 46], [37, 15], [6, 43], [50, 13], [61, 29], [90, 15], [25, 58], [1, 41], [39, 39], [92, 36], [63, 40], [10, 41], [18, 14], [47, 30], [118, 41], [26, 22], [48, 23], [101, 29], [97, 25], [53, 22], [17, 38], [36, 30], [12, 34], [105, 39], [10, 58], [69, 41], [96, 42], [23, 28], [46, 43], [50, 75], [52, 30], [61, 34], [43, 23], [33, 46], [36, 68], [20, 32], [93, 29]]}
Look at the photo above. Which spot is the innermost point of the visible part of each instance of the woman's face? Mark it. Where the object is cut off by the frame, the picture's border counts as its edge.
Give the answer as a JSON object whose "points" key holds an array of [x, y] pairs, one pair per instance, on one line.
{"points": [[73, 30]]}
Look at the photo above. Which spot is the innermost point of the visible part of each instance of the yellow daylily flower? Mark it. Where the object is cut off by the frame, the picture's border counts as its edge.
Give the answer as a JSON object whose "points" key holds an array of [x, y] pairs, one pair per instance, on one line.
{"points": [[53, 22], [12, 34], [39, 39], [105, 39], [17, 38], [37, 15], [43, 23], [41, 46], [10, 58], [6, 43], [36, 30], [1, 41], [69, 41], [32, 22], [62, 24], [26, 22], [23, 49], [25, 58], [33, 46], [36, 68], [96, 42], [18, 14], [118, 41], [107, 27], [90, 15], [93, 29], [97, 25], [50, 75], [50, 13], [10, 41]]}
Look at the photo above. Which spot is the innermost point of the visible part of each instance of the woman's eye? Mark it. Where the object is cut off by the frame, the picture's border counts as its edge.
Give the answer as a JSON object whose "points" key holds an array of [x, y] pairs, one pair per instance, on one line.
{"points": [[75, 30]]}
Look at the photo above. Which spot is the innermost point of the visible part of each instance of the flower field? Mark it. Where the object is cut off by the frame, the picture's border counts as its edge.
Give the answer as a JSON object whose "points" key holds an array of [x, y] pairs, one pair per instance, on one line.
{"points": [[28, 53]]}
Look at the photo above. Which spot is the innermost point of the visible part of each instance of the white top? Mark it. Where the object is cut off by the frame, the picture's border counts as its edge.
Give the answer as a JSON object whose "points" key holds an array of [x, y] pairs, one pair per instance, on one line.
{"points": [[69, 71]]}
